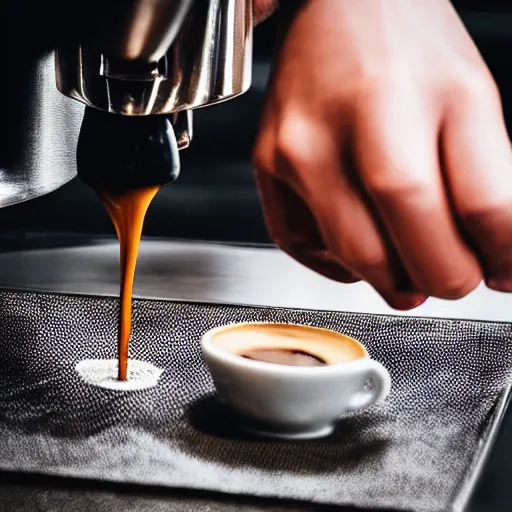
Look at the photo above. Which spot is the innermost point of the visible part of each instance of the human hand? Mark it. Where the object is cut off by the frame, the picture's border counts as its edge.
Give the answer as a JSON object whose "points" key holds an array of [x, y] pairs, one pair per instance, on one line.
{"points": [[382, 153]]}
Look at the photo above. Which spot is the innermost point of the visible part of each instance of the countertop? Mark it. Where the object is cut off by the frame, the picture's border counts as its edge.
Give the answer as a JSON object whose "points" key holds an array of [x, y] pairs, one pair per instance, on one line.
{"points": [[253, 275]]}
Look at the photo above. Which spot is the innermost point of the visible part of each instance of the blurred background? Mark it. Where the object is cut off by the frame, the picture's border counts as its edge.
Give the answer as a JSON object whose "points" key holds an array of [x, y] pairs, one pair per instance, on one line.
{"points": [[215, 197]]}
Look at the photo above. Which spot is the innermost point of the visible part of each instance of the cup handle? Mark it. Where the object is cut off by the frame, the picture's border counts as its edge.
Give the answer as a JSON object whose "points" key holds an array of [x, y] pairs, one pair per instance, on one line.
{"points": [[381, 380]]}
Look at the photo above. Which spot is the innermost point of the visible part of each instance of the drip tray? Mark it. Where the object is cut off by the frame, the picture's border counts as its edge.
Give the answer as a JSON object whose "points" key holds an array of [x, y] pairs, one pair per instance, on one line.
{"points": [[421, 449]]}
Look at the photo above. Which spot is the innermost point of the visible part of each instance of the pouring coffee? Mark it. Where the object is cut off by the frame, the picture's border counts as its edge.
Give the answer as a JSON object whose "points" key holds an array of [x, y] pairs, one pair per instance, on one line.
{"points": [[139, 87], [126, 161], [120, 81]]}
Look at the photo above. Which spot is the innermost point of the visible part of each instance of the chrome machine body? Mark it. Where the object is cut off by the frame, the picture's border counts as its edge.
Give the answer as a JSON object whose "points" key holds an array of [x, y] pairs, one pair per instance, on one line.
{"points": [[142, 58]]}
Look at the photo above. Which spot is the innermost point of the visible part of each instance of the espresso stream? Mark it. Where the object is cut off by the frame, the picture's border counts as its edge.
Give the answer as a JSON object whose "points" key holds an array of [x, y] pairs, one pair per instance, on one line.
{"points": [[127, 209]]}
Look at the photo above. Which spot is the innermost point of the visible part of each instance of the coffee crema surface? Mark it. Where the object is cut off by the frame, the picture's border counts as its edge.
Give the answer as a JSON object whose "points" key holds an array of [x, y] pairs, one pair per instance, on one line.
{"points": [[283, 356], [288, 344]]}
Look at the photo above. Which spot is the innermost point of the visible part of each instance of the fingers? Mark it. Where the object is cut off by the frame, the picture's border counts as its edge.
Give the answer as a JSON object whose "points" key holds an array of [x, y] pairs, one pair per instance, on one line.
{"points": [[293, 229], [336, 218], [433, 200], [397, 152], [292, 226], [478, 162]]}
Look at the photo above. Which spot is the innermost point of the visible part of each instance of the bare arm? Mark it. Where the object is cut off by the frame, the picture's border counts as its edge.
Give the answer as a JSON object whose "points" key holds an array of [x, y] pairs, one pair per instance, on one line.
{"points": [[382, 153]]}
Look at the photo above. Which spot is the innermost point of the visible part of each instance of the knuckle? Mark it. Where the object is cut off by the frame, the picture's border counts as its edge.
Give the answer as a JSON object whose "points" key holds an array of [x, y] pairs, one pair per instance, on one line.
{"points": [[370, 265], [289, 150], [476, 86], [458, 286], [389, 186], [486, 215], [490, 227], [293, 144]]}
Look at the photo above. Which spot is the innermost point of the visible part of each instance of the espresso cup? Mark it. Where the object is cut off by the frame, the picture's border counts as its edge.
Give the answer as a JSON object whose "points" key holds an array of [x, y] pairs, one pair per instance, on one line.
{"points": [[291, 381]]}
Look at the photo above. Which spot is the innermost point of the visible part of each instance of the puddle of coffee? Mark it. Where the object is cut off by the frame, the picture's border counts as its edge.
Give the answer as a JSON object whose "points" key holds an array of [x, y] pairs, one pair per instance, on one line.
{"points": [[284, 357], [127, 209]]}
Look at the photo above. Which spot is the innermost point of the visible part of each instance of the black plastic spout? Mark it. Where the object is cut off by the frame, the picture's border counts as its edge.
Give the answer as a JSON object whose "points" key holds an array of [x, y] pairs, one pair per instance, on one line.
{"points": [[124, 152]]}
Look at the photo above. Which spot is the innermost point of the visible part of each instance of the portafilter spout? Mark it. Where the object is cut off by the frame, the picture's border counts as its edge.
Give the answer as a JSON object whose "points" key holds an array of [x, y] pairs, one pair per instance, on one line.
{"points": [[153, 58], [116, 153]]}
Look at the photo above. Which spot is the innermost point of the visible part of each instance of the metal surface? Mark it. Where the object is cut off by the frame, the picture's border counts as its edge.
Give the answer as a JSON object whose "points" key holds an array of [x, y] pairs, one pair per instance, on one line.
{"points": [[43, 128], [183, 124], [134, 73], [209, 60], [220, 273], [139, 30]]}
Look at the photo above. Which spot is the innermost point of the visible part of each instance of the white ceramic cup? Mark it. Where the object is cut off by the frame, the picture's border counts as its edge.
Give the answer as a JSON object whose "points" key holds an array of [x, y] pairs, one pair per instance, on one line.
{"points": [[290, 402]]}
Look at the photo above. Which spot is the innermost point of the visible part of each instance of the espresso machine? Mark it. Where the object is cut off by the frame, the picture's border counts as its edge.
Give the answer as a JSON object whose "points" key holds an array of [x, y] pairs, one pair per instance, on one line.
{"points": [[113, 100]]}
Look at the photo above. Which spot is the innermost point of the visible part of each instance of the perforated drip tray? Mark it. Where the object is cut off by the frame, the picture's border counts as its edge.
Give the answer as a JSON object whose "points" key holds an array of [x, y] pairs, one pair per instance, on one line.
{"points": [[419, 450]]}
